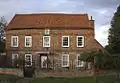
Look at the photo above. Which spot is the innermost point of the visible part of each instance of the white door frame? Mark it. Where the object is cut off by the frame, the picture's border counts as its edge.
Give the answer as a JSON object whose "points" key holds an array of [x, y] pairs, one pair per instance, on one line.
{"points": [[43, 58]]}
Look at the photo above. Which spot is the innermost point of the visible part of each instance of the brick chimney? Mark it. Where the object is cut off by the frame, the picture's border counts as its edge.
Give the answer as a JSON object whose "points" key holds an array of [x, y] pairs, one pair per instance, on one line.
{"points": [[91, 24]]}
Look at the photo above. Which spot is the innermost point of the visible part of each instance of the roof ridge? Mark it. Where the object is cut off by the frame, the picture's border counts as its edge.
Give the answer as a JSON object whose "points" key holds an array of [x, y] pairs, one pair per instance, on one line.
{"points": [[51, 14]]}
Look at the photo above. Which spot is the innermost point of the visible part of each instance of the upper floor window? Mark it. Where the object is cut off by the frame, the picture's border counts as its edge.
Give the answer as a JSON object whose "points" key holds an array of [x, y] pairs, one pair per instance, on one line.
{"points": [[14, 41], [47, 31], [65, 41], [46, 41], [65, 60], [80, 41], [28, 41]]}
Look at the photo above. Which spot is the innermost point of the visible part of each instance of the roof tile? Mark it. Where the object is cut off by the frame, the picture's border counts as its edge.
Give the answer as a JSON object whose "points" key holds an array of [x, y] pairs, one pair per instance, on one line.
{"points": [[48, 20]]}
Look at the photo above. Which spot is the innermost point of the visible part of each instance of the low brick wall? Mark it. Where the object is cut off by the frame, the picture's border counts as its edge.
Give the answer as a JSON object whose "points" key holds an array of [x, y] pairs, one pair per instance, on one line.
{"points": [[12, 71], [72, 73], [63, 73], [40, 73], [69, 74]]}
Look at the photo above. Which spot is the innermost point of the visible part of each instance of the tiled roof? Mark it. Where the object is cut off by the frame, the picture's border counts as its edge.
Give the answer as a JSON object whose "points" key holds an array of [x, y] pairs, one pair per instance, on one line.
{"points": [[48, 20]]}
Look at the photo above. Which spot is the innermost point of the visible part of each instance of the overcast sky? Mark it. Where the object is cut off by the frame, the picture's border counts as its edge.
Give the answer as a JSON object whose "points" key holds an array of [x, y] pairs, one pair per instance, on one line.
{"points": [[101, 10]]}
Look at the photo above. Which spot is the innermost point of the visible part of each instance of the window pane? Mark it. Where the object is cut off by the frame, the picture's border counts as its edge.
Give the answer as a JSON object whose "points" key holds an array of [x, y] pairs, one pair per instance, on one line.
{"points": [[79, 62], [78, 57], [28, 40], [28, 59], [80, 41], [14, 40], [46, 41], [47, 31], [65, 63], [14, 56], [65, 60], [65, 41], [15, 60]]}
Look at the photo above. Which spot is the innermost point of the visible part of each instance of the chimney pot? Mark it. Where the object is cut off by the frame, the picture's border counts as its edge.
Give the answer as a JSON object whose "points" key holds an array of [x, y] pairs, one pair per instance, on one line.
{"points": [[91, 18]]}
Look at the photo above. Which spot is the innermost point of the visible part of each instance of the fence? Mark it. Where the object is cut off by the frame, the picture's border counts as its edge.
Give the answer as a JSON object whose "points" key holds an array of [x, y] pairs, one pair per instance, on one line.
{"points": [[51, 66], [55, 65]]}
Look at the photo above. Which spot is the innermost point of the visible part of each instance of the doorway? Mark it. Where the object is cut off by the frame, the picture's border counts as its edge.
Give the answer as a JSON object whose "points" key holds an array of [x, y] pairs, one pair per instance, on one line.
{"points": [[43, 60]]}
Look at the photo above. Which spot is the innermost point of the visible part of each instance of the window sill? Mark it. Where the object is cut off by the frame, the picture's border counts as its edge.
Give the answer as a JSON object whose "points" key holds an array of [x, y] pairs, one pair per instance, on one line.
{"points": [[65, 46], [80, 46], [28, 46], [14, 46]]}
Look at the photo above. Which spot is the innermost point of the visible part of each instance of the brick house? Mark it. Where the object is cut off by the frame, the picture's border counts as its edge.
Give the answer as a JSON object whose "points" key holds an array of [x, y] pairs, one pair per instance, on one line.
{"points": [[51, 40]]}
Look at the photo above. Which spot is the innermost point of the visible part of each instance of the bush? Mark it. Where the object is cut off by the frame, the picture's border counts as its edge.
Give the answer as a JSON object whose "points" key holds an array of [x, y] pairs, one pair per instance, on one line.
{"points": [[99, 59]]}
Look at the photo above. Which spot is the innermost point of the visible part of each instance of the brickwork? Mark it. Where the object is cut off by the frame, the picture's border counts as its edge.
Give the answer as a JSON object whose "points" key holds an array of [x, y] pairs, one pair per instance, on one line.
{"points": [[56, 39], [56, 42], [55, 50]]}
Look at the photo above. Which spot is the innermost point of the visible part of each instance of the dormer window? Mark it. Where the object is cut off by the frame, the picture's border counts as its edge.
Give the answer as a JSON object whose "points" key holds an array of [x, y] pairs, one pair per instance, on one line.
{"points": [[47, 31]]}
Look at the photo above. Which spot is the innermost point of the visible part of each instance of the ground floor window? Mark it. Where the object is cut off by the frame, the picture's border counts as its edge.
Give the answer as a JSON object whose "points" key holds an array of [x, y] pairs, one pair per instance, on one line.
{"points": [[79, 63], [44, 61], [65, 60], [15, 59], [28, 59]]}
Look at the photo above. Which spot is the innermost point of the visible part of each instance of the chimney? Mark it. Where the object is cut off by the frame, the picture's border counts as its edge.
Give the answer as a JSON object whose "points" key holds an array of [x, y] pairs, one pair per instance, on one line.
{"points": [[91, 18], [91, 24]]}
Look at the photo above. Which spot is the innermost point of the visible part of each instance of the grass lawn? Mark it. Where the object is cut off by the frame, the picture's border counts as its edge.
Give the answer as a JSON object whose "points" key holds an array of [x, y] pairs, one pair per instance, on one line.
{"points": [[89, 79], [6, 76]]}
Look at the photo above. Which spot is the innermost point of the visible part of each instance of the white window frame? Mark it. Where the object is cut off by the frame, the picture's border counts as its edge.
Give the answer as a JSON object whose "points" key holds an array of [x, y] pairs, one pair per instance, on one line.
{"points": [[77, 61], [13, 56], [30, 59], [67, 61], [48, 41], [62, 41], [13, 59], [30, 41], [82, 41], [47, 31], [12, 37]]}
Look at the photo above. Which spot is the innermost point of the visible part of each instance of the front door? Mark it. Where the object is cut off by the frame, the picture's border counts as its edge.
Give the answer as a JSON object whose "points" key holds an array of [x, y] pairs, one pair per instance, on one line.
{"points": [[43, 61]]}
